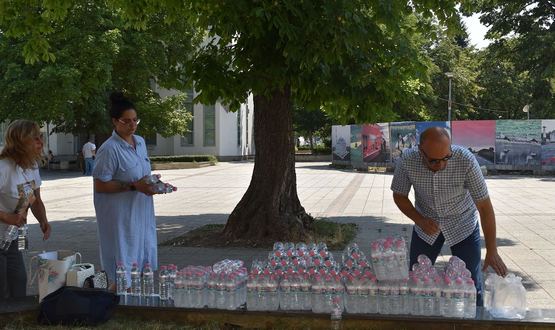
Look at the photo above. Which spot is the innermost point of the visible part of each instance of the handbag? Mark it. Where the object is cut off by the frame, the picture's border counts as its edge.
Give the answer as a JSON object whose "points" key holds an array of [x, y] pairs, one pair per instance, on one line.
{"points": [[77, 307], [77, 274], [97, 281], [52, 269]]}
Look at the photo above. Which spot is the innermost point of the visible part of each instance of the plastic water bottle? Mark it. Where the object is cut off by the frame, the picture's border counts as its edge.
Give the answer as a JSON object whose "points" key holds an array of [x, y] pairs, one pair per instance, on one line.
{"points": [[317, 294], [148, 280], [121, 280], [488, 292], [400, 252], [438, 300], [152, 179], [404, 296], [179, 292], [470, 299], [221, 296], [458, 298], [395, 298], [135, 280], [447, 298], [373, 296], [9, 235], [415, 291], [351, 295], [272, 296], [172, 274], [23, 237], [336, 307], [211, 290], [163, 188], [377, 259], [163, 282], [253, 303], [305, 292], [427, 296]]}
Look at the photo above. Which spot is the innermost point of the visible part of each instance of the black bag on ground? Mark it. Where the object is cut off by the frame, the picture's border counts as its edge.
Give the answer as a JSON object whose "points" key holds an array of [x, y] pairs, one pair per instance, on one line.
{"points": [[77, 306]]}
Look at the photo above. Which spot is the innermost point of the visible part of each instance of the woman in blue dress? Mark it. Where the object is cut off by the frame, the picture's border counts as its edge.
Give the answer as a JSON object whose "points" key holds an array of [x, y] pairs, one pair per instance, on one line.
{"points": [[122, 201]]}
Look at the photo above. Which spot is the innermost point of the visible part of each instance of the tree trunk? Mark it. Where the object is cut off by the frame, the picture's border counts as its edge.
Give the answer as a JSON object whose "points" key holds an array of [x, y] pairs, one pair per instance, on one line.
{"points": [[270, 209], [311, 139]]}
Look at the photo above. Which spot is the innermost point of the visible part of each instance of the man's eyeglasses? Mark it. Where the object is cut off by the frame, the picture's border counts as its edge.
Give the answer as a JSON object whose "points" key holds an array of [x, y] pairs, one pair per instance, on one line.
{"points": [[134, 121], [435, 161]]}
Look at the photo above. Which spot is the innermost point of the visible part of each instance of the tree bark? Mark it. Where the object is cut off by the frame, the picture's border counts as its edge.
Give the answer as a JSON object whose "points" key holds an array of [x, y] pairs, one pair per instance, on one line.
{"points": [[270, 209]]}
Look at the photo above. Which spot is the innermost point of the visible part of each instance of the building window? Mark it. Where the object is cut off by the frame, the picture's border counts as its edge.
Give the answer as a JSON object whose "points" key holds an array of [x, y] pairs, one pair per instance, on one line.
{"points": [[239, 126], [188, 139], [209, 125]]}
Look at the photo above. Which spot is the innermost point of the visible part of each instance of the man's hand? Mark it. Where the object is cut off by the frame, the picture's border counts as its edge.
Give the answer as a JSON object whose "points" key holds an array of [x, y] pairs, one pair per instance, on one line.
{"points": [[494, 260], [429, 226], [45, 227]]}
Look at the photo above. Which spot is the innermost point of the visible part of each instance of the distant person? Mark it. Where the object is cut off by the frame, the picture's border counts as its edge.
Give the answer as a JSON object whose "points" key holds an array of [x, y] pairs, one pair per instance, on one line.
{"points": [[122, 200], [19, 190], [530, 158], [504, 156], [89, 152], [449, 191]]}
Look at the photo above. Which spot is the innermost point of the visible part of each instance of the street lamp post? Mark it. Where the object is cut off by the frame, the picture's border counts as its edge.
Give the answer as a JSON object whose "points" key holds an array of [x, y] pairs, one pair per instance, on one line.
{"points": [[450, 76]]}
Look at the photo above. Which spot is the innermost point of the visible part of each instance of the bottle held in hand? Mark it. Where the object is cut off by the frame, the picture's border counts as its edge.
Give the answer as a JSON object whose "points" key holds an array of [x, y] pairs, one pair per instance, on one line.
{"points": [[163, 188], [10, 234], [159, 186]]}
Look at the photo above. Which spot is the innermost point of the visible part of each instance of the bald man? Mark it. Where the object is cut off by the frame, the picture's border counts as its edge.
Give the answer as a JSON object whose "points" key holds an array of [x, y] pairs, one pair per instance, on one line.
{"points": [[450, 191]]}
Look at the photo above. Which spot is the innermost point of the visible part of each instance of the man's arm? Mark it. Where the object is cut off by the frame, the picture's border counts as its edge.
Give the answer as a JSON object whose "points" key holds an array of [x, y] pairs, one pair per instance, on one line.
{"points": [[39, 211], [487, 218], [404, 204]]}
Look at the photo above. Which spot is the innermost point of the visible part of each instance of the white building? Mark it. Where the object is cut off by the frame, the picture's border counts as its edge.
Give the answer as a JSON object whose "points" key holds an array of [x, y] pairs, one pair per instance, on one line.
{"points": [[213, 131]]}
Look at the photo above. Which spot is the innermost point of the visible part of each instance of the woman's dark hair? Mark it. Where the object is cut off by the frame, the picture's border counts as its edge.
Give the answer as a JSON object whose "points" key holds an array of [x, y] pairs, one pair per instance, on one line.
{"points": [[119, 104]]}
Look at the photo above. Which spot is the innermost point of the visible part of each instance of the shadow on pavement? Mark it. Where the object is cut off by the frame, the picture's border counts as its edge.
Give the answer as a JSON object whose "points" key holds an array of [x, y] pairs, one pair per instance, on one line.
{"points": [[80, 234]]}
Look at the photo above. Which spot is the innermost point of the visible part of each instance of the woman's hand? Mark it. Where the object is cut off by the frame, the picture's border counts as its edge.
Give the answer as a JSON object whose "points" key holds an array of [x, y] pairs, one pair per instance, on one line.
{"points": [[15, 219], [144, 187]]}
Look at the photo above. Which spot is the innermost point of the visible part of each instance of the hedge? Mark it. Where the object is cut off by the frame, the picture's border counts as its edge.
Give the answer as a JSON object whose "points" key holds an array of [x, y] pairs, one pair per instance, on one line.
{"points": [[184, 158]]}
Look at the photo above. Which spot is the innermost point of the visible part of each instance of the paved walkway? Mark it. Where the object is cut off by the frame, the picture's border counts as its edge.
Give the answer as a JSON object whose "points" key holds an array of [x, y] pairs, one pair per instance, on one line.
{"points": [[525, 209]]}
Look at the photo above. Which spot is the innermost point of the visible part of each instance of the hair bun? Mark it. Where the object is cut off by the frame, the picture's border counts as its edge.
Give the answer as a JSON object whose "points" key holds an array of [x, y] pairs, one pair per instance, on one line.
{"points": [[117, 97]]}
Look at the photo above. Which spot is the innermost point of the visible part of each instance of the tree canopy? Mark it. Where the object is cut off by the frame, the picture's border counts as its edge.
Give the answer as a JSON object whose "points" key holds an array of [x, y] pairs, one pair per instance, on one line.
{"points": [[355, 57], [90, 52]]}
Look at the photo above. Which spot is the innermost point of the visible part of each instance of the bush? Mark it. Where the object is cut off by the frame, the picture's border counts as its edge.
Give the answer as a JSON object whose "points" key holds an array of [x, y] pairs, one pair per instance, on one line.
{"points": [[321, 150], [184, 158], [318, 150]]}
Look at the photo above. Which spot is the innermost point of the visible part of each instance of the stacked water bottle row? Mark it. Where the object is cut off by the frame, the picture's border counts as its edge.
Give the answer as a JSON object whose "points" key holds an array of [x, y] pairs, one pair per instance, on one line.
{"points": [[289, 258], [190, 287], [142, 282], [389, 258], [13, 233], [450, 292], [226, 285], [297, 277]]}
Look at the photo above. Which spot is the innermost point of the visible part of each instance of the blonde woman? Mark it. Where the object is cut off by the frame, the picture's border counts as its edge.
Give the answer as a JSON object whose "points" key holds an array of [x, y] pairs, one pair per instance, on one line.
{"points": [[19, 190]]}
